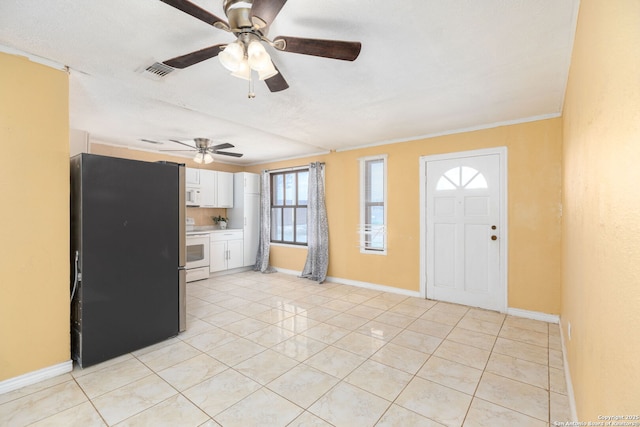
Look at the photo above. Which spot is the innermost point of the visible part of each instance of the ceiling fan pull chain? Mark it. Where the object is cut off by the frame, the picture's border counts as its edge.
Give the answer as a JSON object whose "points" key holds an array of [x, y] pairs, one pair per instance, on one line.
{"points": [[251, 94]]}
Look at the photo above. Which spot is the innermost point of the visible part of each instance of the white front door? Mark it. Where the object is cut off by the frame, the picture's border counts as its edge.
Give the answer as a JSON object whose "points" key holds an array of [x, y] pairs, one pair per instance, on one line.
{"points": [[464, 215]]}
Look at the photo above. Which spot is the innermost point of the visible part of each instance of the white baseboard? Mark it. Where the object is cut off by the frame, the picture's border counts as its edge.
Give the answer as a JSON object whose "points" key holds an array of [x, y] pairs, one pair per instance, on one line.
{"points": [[289, 272], [366, 285], [567, 377], [534, 315], [374, 286], [35, 376], [232, 271]]}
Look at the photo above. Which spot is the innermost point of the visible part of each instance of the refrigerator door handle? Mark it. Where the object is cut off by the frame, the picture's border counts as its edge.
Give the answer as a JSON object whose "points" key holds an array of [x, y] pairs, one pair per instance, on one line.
{"points": [[182, 222], [182, 299]]}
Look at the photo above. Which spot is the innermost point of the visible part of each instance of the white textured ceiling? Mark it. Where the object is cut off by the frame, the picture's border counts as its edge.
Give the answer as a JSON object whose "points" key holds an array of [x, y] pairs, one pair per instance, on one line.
{"points": [[426, 67]]}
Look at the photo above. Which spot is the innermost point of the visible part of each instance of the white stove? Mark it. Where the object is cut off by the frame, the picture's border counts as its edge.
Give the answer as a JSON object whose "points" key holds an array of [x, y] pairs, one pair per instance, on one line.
{"points": [[197, 266]]}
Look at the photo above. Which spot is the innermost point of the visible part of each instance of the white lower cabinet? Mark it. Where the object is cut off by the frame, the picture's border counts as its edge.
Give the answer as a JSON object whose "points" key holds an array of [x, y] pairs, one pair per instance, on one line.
{"points": [[226, 250]]}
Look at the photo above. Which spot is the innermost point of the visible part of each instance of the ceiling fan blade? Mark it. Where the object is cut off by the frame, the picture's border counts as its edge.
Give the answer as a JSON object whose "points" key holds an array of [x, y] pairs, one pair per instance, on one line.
{"points": [[226, 153], [198, 12], [266, 10], [277, 82], [182, 151], [192, 58], [221, 146], [151, 141], [336, 49], [182, 143]]}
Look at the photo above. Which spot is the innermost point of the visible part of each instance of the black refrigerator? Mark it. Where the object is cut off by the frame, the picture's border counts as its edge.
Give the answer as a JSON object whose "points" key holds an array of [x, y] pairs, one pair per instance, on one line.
{"points": [[127, 255]]}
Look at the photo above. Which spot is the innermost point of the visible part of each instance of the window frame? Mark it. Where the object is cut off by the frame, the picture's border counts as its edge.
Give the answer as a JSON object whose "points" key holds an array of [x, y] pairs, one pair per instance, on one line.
{"points": [[295, 206], [365, 205]]}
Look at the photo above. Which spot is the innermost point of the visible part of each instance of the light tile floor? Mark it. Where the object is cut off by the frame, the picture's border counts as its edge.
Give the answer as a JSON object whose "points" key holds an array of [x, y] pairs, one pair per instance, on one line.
{"points": [[276, 350]]}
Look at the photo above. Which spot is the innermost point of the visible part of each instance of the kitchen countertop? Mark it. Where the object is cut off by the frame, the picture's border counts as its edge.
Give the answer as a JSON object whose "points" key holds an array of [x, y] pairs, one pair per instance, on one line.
{"points": [[200, 229]]}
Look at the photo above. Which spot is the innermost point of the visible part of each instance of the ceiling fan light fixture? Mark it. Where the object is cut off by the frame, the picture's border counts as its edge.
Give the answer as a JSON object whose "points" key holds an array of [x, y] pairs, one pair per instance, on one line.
{"points": [[237, 5], [201, 157], [249, 22], [268, 72], [232, 55], [258, 57], [243, 71]]}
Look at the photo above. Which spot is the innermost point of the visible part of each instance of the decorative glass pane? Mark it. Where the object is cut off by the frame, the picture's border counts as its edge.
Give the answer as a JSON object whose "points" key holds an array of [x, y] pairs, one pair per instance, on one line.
{"points": [[287, 224], [467, 174], [278, 190], [444, 184], [477, 182], [461, 177], [303, 188], [454, 176], [301, 225]]}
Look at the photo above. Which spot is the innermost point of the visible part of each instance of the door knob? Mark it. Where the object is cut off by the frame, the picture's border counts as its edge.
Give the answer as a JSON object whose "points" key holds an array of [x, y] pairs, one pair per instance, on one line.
{"points": [[494, 237]]}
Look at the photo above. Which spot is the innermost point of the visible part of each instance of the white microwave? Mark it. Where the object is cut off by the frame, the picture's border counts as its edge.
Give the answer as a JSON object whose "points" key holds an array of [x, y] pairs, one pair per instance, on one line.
{"points": [[192, 196]]}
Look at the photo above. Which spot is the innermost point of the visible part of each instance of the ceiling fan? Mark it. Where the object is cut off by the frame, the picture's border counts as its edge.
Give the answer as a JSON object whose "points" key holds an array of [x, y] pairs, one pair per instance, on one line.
{"points": [[204, 149], [249, 21]]}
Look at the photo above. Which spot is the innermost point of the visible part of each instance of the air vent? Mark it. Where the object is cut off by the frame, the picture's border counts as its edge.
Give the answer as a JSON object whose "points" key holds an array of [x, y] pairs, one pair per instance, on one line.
{"points": [[159, 69]]}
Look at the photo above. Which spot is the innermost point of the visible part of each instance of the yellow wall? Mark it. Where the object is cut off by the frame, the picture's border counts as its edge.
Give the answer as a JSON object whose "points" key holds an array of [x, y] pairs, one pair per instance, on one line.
{"points": [[534, 175], [601, 224], [201, 216], [34, 218], [96, 147]]}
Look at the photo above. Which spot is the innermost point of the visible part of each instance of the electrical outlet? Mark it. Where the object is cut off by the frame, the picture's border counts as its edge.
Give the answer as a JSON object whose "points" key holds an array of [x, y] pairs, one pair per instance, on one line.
{"points": [[569, 330]]}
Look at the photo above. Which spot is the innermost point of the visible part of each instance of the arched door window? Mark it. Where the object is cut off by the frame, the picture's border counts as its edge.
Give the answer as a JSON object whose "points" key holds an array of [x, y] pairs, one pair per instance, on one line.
{"points": [[461, 177]]}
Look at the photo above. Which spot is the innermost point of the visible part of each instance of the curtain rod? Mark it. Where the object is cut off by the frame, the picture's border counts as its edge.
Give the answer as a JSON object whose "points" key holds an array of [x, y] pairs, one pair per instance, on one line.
{"points": [[293, 168]]}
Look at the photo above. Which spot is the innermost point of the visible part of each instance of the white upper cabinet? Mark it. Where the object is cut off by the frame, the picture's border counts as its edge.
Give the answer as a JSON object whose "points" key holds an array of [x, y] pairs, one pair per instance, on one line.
{"points": [[224, 188], [207, 188], [251, 183], [216, 188], [245, 214], [192, 177]]}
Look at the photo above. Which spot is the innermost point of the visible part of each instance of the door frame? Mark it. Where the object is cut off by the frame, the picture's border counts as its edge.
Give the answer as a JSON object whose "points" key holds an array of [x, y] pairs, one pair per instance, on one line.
{"points": [[425, 291]]}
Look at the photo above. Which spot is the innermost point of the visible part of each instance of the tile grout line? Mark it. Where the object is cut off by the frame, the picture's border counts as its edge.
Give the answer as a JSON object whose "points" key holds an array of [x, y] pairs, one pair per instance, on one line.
{"points": [[306, 297], [415, 375], [483, 371]]}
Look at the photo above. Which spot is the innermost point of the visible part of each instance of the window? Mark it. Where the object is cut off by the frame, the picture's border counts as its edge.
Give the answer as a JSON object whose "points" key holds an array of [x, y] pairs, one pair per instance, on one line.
{"points": [[373, 204], [461, 177], [289, 193]]}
